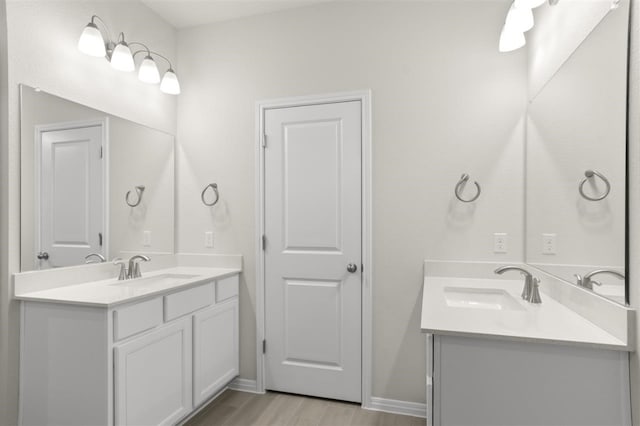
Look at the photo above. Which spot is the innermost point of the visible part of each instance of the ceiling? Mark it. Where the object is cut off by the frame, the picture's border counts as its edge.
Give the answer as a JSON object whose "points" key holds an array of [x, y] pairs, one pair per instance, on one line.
{"points": [[190, 13]]}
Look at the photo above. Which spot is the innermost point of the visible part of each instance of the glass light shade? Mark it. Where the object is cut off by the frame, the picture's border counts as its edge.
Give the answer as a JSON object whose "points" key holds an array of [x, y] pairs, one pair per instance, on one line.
{"points": [[148, 72], [170, 83], [520, 18], [530, 4], [511, 39], [91, 42], [121, 58]]}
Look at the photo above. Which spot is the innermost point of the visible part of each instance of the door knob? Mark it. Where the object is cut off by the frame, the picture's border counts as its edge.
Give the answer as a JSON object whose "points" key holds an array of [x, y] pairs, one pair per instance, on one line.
{"points": [[352, 267], [43, 255]]}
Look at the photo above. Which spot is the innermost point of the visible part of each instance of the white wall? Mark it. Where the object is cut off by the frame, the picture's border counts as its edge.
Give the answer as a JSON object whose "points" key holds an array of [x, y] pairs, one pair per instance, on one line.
{"points": [[444, 101], [558, 31], [42, 39]]}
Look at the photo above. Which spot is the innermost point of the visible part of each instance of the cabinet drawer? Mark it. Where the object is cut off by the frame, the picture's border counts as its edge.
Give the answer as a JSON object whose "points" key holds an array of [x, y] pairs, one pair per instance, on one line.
{"points": [[227, 288], [187, 301], [134, 319]]}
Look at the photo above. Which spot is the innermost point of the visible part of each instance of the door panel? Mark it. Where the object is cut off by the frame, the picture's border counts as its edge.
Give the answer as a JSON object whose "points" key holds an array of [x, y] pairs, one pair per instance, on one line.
{"points": [[71, 195], [313, 230]]}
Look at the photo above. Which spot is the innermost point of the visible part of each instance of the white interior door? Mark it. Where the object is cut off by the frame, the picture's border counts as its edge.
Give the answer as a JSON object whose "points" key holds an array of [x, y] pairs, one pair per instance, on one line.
{"points": [[313, 232], [70, 196]]}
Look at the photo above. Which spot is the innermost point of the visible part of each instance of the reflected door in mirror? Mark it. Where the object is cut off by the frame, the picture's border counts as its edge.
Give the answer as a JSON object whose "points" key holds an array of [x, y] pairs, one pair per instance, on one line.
{"points": [[71, 195]]}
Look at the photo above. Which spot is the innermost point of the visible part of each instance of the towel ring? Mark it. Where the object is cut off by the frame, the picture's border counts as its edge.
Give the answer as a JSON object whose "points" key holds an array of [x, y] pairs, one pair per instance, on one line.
{"points": [[460, 185], [588, 175], [139, 191], [213, 186]]}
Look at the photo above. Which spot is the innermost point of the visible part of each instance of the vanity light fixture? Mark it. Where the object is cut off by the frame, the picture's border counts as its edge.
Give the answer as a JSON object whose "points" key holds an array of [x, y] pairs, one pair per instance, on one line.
{"points": [[121, 58]]}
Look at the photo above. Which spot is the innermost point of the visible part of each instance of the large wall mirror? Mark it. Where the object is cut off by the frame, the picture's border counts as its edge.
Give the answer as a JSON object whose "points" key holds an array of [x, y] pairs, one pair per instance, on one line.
{"points": [[91, 182], [576, 164]]}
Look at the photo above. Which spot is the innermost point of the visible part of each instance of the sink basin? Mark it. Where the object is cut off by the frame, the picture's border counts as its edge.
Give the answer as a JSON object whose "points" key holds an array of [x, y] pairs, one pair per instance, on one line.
{"points": [[163, 280], [481, 298]]}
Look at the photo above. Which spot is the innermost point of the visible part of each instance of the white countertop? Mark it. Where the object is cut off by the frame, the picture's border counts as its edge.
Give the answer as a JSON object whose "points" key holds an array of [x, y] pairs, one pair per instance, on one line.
{"points": [[106, 293], [549, 322]]}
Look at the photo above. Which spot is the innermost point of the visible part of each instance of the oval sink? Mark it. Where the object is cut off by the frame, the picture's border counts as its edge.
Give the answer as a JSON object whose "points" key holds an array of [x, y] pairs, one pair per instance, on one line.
{"points": [[481, 298]]}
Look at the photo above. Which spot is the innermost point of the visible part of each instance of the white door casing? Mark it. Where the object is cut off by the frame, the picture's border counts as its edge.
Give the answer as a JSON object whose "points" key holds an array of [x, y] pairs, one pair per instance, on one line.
{"points": [[313, 228], [70, 193]]}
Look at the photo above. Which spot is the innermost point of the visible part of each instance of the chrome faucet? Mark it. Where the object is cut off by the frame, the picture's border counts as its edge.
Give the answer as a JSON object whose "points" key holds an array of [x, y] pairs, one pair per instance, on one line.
{"points": [[101, 258], [134, 267], [530, 291], [587, 282]]}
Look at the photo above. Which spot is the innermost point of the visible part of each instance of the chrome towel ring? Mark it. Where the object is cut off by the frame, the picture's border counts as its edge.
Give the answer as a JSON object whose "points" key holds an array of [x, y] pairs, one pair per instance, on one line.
{"points": [[214, 187], [588, 175], [139, 191], [460, 186]]}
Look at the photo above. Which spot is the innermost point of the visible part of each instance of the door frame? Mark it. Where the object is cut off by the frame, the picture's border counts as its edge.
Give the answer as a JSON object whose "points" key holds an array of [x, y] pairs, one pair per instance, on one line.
{"points": [[364, 97], [37, 139]]}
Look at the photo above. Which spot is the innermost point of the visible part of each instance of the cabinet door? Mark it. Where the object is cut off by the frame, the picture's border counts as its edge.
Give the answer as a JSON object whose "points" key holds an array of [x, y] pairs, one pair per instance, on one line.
{"points": [[216, 356], [153, 376]]}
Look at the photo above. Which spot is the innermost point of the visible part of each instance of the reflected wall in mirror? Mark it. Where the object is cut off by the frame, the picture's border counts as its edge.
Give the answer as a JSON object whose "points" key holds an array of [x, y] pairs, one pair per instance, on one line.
{"points": [[577, 124], [77, 165]]}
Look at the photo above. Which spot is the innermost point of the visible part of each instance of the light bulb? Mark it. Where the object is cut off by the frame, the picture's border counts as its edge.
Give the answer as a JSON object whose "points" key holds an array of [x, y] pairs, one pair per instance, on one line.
{"points": [[511, 39], [520, 18], [121, 58], [530, 4], [170, 83], [148, 72], [91, 42]]}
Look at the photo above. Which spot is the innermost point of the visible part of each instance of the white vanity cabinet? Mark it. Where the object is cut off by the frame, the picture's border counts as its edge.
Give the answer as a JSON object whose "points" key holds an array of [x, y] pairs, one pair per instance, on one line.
{"points": [[153, 376], [151, 361], [483, 381]]}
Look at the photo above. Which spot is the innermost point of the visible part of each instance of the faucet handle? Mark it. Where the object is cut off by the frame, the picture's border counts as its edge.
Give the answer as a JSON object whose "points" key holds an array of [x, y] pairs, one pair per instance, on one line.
{"points": [[579, 280], [534, 297], [123, 268], [596, 282]]}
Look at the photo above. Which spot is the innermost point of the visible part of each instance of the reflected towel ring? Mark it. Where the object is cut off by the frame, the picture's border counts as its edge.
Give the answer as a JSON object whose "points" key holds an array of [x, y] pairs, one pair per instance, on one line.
{"points": [[139, 191], [213, 186], [460, 185], [588, 175]]}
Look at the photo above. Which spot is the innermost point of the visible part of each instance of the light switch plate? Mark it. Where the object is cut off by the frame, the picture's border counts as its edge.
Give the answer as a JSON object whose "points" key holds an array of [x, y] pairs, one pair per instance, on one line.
{"points": [[208, 239]]}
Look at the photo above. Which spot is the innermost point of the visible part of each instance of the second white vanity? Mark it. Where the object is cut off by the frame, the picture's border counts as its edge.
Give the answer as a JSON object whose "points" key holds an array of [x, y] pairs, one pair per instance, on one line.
{"points": [[495, 359], [135, 352]]}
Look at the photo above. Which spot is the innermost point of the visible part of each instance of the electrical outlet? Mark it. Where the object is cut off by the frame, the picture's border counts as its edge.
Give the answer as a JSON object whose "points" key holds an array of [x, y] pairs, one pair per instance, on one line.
{"points": [[500, 240], [146, 238], [548, 243], [208, 239]]}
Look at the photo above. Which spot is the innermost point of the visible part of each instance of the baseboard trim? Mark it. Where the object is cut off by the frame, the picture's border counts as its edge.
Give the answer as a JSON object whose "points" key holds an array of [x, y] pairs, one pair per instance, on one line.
{"points": [[415, 409], [244, 385]]}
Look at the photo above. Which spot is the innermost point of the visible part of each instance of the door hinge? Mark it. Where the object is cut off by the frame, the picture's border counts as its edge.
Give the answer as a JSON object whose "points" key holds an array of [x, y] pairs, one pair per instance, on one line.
{"points": [[100, 152], [264, 242], [264, 140], [264, 346], [100, 238], [362, 267]]}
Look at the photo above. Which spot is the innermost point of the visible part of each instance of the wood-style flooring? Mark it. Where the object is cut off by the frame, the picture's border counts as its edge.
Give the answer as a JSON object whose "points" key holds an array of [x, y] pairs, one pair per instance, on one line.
{"points": [[233, 408]]}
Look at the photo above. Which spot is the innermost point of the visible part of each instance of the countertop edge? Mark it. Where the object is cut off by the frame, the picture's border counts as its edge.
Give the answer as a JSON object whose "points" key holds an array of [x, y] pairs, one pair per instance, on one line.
{"points": [[28, 297], [514, 338]]}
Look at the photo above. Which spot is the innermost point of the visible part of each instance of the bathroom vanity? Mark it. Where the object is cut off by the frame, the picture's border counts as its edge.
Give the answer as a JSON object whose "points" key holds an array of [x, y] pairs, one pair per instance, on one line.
{"points": [[142, 351], [495, 359]]}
